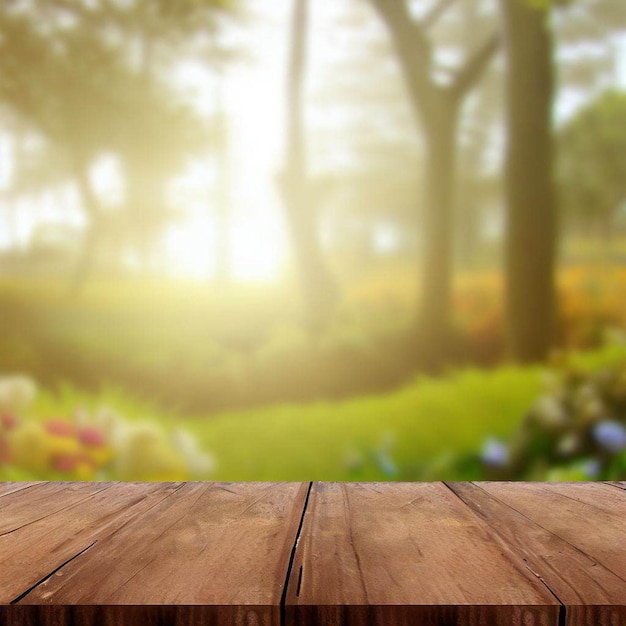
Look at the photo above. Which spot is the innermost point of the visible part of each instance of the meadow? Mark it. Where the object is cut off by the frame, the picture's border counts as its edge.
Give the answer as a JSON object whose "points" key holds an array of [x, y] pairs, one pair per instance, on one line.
{"points": [[136, 356]]}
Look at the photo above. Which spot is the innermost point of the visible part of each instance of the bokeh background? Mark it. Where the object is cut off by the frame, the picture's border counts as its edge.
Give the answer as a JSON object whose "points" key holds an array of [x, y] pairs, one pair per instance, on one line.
{"points": [[308, 239]]}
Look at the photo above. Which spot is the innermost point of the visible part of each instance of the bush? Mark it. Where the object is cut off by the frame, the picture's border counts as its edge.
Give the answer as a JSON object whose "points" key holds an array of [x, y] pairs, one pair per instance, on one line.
{"points": [[576, 430]]}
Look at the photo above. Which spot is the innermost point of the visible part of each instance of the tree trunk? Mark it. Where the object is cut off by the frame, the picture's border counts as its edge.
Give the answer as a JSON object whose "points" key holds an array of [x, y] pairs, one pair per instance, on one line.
{"points": [[531, 206], [300, 203], [434, 318], [87, 256], [436, 110], [222, 210], [468, 230]]}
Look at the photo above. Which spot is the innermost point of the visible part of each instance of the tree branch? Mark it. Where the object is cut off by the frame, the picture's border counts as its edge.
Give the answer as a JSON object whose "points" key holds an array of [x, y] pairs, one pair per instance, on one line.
{"points": [[400, 23], [412, 47], [474, 67], [436, 12]]}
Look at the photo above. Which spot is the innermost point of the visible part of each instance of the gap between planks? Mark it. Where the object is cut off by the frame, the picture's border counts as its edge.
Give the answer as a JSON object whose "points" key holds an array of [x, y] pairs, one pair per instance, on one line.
{"points": [[49, 575], [505, 545], [290, 579], [52, 573], [292, 556]]}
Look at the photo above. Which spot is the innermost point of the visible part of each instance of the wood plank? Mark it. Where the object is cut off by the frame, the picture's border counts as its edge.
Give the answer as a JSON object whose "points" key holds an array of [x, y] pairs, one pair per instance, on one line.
{"points": [[579, 531], [64, 520], [590, 518], [617, 483], [10, 487], [406, 554], [28, 505], [221, 550]]}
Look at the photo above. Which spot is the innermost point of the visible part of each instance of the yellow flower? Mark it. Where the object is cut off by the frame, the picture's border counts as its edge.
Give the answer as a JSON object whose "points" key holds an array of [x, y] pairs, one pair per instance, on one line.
{"points": [[84, 471], [29, 447], [153, 461]]}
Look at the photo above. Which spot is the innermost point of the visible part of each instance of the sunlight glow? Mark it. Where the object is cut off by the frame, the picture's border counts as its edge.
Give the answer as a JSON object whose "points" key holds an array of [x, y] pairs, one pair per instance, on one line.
{"points": [[256, 249]]}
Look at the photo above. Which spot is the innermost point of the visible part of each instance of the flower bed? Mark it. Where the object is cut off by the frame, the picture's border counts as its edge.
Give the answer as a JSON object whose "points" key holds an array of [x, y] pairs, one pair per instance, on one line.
{"points": [[101, 445]]}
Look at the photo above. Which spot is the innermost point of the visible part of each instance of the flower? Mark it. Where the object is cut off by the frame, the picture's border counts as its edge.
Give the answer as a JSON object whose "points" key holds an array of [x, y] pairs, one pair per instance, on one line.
{"points": [[8, 421], [59, 428], [91, 436], [610, 435], [569, 444], [199, 463], [146, 455], [549, 413], [29, 447], [386, 463], [592, 468], [16, 393], [495, 453]]}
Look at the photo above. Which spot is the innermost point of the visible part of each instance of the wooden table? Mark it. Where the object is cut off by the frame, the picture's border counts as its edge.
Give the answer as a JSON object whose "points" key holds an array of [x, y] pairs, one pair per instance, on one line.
{"points": [[359, 554]]}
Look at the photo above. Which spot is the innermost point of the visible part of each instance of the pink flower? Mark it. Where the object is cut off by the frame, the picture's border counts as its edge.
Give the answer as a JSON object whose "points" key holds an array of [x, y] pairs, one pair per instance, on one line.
{"points": [[8, 421], [91, 436], [65, 462], [59, 428]]}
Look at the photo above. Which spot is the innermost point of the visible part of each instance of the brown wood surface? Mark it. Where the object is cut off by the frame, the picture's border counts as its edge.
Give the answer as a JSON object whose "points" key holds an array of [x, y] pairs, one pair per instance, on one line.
{"points": [[405, 554], [219, 552], [353, 554], [572, 535]]}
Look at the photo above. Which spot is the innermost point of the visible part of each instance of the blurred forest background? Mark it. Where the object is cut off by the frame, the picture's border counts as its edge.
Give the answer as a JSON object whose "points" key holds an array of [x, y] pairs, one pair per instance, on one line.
{"points": [[307, 239]]}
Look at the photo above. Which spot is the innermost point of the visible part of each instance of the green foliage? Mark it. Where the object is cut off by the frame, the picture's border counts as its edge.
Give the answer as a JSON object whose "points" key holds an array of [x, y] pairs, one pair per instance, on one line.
{"points": [[81, 94], [575, 430], [200, 349], [591, 162], [426, 430]]}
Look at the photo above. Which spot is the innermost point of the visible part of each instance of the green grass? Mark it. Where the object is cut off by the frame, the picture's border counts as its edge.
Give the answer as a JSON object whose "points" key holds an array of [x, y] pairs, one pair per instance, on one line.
{"points": [[189, 346], [427, 420]]}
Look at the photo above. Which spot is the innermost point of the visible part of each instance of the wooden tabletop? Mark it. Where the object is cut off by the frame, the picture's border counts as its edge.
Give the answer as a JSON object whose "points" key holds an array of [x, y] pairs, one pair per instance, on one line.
{"points": [[354, 554]]}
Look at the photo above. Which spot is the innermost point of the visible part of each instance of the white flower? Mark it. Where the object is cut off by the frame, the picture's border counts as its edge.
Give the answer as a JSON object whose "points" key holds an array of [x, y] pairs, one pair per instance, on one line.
{"points": [[569, 444], [549, 413], [117, 430], [199, 462], [16, 393]]}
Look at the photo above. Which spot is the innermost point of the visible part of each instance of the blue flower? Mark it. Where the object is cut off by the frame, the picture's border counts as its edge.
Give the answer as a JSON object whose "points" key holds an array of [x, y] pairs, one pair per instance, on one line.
{"points": [[386, 464], [610, 435], [494, 453], [592, 468]]}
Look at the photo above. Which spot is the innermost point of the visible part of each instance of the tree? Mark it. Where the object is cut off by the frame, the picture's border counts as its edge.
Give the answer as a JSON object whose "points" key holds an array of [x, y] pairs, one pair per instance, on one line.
{"points": [[82, 96], [299, 192], [591, 163], [436, 106], [529, 187], [162, 31]]}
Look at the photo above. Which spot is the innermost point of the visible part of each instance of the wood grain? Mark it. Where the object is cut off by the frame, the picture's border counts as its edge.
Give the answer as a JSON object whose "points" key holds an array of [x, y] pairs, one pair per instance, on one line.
{"points": [[330, 554], [221, 550], [405, 554], [10, 487], [48, 524], [573, 535]]}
